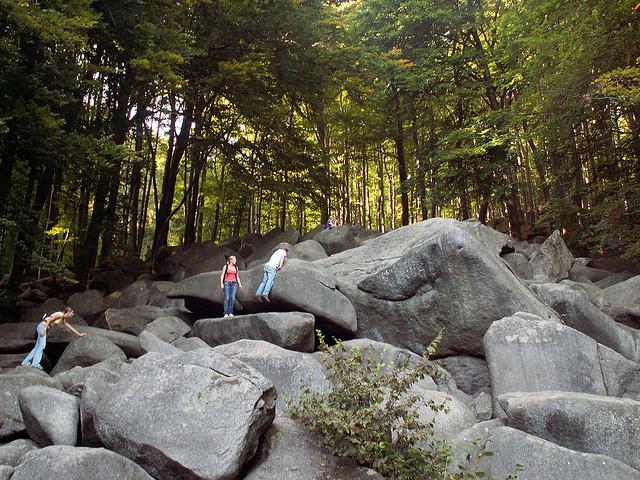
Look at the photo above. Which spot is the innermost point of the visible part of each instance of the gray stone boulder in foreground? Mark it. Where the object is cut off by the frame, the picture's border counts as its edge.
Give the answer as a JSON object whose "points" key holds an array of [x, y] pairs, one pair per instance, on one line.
{"points": [[52, 417], [290, 452], [168, 328], [527, 354], [290, 330], [191, 343], [86, 351], [135, 319], [409, 283], [542, 460], [150, 343], [579, 421], [197, 415], [336, 239], [578, 312], [77, 463], [288, 370], [6, 472], [470, 373], [11, 454], [11, 383]]}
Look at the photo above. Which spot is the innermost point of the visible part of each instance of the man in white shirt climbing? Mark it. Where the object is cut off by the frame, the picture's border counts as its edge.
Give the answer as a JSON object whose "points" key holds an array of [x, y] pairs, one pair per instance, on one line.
{"points": [[270, 269]]}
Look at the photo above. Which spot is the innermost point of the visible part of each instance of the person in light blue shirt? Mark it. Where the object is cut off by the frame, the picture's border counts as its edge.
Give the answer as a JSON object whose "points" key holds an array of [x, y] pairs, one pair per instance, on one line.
{"points": [[270, 269]]}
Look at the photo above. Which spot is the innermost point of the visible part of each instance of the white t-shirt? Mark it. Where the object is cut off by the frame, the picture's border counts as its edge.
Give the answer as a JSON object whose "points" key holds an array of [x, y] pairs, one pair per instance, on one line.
{"points": [[274, 261]]}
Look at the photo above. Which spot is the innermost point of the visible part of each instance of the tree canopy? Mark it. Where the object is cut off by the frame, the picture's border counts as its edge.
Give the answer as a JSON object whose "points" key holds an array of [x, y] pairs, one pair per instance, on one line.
{"points": [[129, 126]]}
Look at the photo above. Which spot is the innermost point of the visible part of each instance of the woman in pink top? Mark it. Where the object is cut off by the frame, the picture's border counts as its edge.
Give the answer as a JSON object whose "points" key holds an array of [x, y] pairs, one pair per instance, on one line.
{"points": [[229, 282]]}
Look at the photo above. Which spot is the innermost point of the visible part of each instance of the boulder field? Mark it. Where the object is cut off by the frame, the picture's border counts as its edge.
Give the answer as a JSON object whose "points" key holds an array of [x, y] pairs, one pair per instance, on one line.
{"points": [[538, 363]]}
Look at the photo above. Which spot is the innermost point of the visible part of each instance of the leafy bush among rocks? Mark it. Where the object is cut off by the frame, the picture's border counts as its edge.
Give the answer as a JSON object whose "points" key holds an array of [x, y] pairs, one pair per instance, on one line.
{"points": [[370, 414]]}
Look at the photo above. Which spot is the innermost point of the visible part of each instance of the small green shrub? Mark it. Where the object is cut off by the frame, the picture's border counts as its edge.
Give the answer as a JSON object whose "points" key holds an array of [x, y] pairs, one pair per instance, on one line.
{"points": [[370, 415]]}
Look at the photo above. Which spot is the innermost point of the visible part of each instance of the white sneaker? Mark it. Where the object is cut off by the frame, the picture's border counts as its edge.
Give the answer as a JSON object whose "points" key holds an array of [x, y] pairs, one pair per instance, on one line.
{"points": [[231, 314], [226, 315]]}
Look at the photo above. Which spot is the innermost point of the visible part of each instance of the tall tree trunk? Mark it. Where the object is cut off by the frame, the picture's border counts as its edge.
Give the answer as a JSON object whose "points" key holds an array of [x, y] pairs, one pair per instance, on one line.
{"points": [[172, 166], [29, 231], [400, 155]]}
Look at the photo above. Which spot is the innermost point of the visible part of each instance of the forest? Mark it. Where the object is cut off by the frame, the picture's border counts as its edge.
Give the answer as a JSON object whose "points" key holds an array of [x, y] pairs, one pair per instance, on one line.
{"points": [[128, 126]]}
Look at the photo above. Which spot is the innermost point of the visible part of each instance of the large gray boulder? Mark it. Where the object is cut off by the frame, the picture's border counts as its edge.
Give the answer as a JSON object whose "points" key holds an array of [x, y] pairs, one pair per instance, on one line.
{"points": [[337, 239], [579, 421], [94, 389], [168, 328], [623, 293], [470, 373], [51, 417], [197, 415], [520, 265], [553, 261], [309, 250], [190, 343], [290, 330], [621, 376], [448, 422], [578, 312], [77, 463], [135, 295], [614, 279], [158, 296], [542, 356], [134, 320], [18, 337], [12, 453], [288, 370], [150, 343], [299, 286], [86, 351], [496, 242], [89, 304], [408, 284], [585, 274], [542, 460], [290, 452], [11, 383], [6, 472], [109, 370]]}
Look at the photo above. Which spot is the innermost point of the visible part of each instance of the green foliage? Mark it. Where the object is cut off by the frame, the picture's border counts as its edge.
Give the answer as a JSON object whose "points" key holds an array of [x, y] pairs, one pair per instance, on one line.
{"points": [[370, 414]]}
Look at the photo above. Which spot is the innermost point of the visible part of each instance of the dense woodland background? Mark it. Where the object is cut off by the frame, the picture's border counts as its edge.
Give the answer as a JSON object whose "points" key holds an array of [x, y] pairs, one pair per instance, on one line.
{"points": [[129, 125]]}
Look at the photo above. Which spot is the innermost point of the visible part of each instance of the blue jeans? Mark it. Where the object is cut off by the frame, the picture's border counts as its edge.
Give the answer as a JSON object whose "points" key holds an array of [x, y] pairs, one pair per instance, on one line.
{"points": [[35, 355], [267, 281], [230, 289]]}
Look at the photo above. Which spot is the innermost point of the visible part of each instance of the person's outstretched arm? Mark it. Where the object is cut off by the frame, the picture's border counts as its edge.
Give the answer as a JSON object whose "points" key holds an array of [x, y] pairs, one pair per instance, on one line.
{"points": [[238, 278], [73, 330], [281, 261], [222, 278]]}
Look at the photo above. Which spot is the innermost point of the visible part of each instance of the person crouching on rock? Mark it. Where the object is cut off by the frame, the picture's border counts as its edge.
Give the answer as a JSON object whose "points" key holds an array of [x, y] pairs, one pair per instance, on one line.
{"points": [[35, 356], [270, 269], [229, 282]]}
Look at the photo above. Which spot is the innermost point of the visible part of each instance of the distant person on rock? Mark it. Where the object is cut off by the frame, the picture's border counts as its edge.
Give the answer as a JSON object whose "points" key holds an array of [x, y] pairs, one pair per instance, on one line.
{"points": [[330, 223], [270, 269], [35, 356], [229, 282]]}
